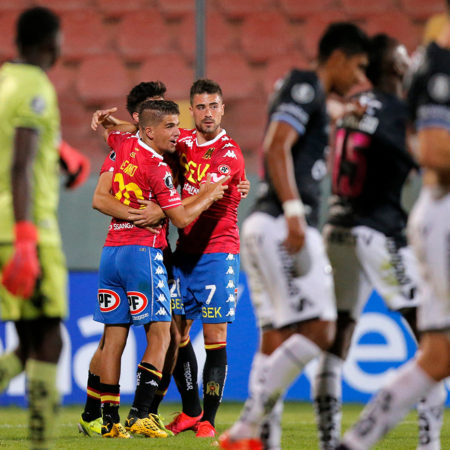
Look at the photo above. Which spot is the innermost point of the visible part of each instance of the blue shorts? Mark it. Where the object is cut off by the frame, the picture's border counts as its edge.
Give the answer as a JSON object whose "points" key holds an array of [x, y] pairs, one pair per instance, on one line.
{"points": [[207, 286], [133, 286]]}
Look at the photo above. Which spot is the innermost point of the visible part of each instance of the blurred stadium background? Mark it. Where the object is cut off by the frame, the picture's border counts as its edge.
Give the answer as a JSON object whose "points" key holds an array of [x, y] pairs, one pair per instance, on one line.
{"points": [[111, 45]]}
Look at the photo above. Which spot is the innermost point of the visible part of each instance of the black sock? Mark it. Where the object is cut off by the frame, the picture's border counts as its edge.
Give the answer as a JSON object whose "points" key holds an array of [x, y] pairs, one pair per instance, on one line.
{"points": [[214, 376], [110, 395], [161, 392], [147, 381], [185, 376], [93, 406]]}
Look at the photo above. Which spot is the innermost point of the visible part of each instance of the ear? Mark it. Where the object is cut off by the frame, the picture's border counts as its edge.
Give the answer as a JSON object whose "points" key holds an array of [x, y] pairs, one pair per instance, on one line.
{"points": [[135, 116], [191, 110], [149, 132]]}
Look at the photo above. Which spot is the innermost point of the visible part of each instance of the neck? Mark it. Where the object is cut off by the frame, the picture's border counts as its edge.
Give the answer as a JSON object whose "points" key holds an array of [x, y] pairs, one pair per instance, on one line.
{"points": [[324, 77], [33, 58], [144, 138], [390, 85], [205, 137]]}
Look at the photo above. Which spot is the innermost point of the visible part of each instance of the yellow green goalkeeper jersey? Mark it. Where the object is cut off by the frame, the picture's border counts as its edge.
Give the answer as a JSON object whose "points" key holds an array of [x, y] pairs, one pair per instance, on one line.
{"points": [[28, 100]]}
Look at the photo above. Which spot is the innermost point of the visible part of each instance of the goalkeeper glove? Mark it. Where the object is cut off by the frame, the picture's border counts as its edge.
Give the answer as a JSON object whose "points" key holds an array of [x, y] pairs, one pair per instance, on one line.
{"points": [[22, 270], [75, 164]]}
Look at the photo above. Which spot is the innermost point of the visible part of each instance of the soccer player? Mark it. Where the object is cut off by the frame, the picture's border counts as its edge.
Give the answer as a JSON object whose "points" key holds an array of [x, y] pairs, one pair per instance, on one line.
{"points": [[288, 270], [365, 233], [133, 285], [429, 232], [33, 284]]}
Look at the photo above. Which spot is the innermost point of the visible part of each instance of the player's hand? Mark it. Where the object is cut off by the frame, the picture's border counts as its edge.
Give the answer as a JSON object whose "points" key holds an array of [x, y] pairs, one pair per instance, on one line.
{"points": [[354, 108], [244, 188], [295, 238], [75, 164], [150, 216], [102, 117], [22, 270], [213, 190]]}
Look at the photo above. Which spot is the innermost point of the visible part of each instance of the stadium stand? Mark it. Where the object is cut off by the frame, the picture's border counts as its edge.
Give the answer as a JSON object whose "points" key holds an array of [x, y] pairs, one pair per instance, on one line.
{"points": [[302, 10], [358, 9], [239, 9], [176, 9], [420, 9], [115, 9]]}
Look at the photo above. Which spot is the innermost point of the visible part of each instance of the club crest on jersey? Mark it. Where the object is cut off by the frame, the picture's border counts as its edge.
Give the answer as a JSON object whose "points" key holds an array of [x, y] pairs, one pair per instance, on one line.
{"points": [[168, 180], [208, 153], [303, 93], [224, 169], [137, 302], [108, 300]]}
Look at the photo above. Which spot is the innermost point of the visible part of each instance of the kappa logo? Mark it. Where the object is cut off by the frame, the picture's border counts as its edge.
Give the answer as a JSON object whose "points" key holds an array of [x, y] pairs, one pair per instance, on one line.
{"points": [[230, 271], [137, 302], [228, 145], [162, 297], [161, 284], [224, 169], [158, 257], [108, 300], [161, 312], [230, 284], [230, 257], [152, 382], [231, 312], [225, 138], [189, 143], [230, 299], [230, 154], [159, 270]]}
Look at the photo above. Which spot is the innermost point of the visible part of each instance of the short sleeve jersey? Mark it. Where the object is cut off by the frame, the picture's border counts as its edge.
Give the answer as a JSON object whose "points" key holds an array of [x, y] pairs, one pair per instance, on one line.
{"points": [[28, 100], [429, 93], [139, 173], [216, 230], [369, 165], [300, 102]]}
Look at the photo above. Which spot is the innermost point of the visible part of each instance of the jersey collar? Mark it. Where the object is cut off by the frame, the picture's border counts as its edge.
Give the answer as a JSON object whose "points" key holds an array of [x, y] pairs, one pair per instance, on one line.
{"points": [[219, 136], [147, 147]]}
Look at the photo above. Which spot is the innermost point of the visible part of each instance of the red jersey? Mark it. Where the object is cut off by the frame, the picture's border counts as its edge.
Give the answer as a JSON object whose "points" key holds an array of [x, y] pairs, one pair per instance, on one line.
{"points": [[216, 230], [139, 173]]}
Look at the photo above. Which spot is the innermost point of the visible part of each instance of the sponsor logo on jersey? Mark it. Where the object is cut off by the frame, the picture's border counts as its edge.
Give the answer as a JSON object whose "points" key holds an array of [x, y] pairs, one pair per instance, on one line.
{"points": [[230, 298], [38, 105], [212, 388], [225, 138], [224, 169], [108, 300], [158, 257], [208, 153], [303, 93], [228, 145], [161, 284], [230, 257], [230, 271], [161, 312], [137, 302], [168, 180], [211, 312], [161, 297], [192, 190], [159, 270], [230, 154], [230, 284], [231, 312]]}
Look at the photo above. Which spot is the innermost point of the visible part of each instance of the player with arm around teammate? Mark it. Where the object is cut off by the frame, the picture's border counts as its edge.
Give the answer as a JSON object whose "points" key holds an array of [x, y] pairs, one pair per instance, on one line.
{"points": [[428, 231], [288, 270]]}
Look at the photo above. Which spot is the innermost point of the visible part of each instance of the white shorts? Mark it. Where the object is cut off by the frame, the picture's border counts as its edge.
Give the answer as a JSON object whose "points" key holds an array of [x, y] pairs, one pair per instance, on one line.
{"points": [[363, 259], [429, 233], [286, 289]]}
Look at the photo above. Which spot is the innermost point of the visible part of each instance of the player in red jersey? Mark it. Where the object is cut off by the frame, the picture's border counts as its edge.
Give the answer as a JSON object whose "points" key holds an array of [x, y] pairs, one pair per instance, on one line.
{"points": [[132, 277]]}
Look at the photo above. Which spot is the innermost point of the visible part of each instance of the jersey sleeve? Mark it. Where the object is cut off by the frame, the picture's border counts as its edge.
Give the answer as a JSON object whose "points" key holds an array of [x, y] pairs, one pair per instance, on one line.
{"points": [[116, 139], [109, 162], [163, 188], [297, 99]]}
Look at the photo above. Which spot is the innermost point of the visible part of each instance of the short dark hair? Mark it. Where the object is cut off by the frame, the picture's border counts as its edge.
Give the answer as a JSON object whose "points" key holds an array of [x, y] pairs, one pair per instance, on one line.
{"points": [[379, 47], [344, 36], [142, 92], [35, 25], [151, 112], [204, 86]]}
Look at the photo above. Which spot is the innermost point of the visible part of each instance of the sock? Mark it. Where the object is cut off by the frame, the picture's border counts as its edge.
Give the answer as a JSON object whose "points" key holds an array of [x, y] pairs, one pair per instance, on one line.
{"points": [[185, 376], [281, 369], [43, 401], [161, 392], [147, 381], [327, 395], [10, 367], [389, 406], [431, 414], [93, 405], [110, 398], [214, 376]]}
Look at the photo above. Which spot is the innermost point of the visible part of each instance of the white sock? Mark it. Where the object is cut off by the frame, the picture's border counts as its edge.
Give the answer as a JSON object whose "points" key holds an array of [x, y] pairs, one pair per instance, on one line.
{"points": [[327, 395], [431, 413], [270, 433], [281, 368], [409, 384]]}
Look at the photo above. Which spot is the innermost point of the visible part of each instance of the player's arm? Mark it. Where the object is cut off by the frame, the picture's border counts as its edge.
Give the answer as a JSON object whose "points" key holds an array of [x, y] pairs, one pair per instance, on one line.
{"points": [[434, 149], [278, 142], [105, 202], [22, 270], [105, 118], [243, 186], [182, 216]]}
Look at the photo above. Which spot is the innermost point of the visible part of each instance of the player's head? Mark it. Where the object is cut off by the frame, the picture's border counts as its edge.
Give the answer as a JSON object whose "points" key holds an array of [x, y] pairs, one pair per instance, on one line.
{"points": [[38, 36], [207, 106], [343, 52], [147, 90], [158, 124], [388, 60]]}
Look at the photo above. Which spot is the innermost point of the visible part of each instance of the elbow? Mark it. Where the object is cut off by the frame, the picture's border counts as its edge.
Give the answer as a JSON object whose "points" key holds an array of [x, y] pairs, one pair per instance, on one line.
{"points": [[181, 223], [96, 203]]}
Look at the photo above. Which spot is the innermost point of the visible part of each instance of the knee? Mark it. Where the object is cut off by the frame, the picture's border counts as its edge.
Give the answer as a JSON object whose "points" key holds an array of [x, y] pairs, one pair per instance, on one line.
{"points": [[320, 332]]}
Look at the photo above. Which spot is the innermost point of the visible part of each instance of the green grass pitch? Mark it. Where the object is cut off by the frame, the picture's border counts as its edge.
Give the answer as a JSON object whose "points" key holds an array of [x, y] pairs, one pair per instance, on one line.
{"points": [[299, 431]]}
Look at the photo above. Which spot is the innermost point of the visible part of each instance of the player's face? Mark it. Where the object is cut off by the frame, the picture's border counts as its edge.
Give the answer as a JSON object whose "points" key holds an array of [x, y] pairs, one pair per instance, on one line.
{"points": [[165, 135], [349, 71], [207, 111]]}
